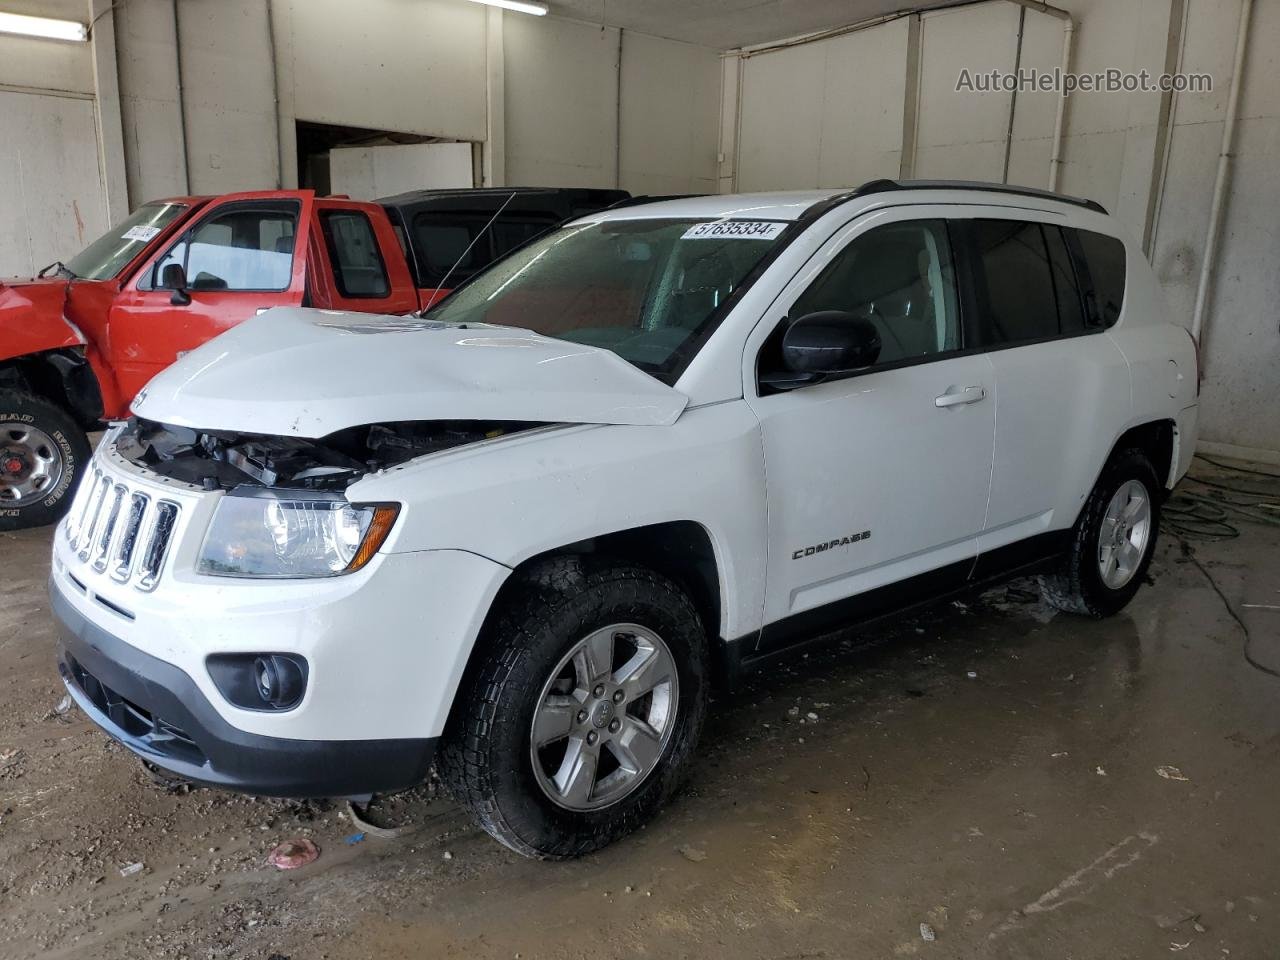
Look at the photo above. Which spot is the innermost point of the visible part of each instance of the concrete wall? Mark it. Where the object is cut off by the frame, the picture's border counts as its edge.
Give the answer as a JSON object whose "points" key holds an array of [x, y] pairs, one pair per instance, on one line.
{"points": [[52, 200], [602, 107], [846, 128], [791, 113], [573, 113]]}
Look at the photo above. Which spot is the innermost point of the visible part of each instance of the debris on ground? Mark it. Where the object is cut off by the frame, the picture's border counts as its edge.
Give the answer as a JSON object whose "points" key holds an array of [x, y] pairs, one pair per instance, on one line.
{"points": [[972, 674], [385, 833], [448, 855], [10, 763], [811, 717], [1172, 773], [60, 710], [293, 854], [355, 838], [1100, 772], [132, 868], [692, 854], [927, 934]]}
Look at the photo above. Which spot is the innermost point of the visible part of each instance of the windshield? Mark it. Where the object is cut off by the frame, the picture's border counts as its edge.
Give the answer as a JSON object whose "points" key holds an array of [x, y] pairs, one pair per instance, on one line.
{"points": [[107, 256], [649, 290]]}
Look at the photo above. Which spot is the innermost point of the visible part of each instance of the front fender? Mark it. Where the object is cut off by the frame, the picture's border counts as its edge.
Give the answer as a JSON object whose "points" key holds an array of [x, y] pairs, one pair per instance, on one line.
{"points": [[32, 319]]}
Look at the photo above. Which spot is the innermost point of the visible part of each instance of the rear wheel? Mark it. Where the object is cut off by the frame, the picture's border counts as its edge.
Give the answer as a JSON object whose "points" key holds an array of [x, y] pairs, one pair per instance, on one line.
{"points": [[1112, 542], [42, 453], [582, 718]]}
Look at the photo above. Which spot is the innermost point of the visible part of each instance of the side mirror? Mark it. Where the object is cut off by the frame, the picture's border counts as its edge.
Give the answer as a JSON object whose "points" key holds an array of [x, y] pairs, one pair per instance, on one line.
{"points": [[174, 278], [830, 341]]}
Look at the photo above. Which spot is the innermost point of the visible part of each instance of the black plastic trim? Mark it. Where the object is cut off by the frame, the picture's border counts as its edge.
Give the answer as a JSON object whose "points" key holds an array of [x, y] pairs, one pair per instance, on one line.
{"points": [[782, 638], [223, 755]]}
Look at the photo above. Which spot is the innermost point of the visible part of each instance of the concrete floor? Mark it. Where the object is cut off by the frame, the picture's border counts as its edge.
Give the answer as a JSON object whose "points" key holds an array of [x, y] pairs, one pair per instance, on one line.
{"points": [[1028, 784]]}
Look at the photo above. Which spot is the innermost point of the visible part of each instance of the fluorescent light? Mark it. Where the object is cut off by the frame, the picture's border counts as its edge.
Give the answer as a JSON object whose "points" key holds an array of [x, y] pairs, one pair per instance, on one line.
{"points": [[43, 27], [524, 6]]}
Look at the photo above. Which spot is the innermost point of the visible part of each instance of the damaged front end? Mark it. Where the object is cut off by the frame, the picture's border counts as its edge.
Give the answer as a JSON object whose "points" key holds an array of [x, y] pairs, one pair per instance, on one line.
{"points": [[221, 460], [284, 512]]}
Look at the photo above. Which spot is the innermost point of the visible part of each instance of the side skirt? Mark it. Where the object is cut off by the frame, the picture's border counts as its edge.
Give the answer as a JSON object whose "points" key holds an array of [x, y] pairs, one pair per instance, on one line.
{"points": [[786, 638]]}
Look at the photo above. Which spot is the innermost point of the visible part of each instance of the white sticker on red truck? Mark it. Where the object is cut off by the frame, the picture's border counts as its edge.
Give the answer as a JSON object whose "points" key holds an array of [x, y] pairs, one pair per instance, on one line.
{"points": [[735, 230], [145, 234]]}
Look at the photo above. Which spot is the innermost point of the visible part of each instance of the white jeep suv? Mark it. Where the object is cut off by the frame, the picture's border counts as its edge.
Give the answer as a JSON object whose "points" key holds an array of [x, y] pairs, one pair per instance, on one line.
{"points": [[520, 536]]}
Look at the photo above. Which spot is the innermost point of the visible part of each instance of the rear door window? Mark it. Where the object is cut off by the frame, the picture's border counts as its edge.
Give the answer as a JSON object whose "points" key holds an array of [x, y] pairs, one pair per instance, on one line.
{"points": [[1031, 281], [1013, 265], [1104, 259], [358, 269]]}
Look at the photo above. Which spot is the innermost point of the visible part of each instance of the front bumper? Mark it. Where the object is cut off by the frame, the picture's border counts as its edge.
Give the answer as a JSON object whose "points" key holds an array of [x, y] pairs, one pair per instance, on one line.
{"points": [[159, 712]]}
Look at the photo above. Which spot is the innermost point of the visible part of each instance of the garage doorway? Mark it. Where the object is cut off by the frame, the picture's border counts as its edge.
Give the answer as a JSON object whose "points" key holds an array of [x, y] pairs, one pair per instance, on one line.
{"points": [[366, 164]]}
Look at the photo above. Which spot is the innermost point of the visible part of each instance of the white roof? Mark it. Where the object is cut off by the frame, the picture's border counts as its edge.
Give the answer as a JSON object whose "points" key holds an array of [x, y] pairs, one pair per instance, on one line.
{"points": [[785, 205]]}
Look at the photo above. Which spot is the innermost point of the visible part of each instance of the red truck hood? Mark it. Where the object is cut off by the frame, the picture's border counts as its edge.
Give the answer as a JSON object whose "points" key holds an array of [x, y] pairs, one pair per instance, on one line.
{"points": [[32, 318]]}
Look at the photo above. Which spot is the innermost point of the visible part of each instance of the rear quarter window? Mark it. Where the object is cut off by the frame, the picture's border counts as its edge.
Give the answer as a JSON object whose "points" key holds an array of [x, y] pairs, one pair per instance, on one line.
{"points": [[1104, 259]]}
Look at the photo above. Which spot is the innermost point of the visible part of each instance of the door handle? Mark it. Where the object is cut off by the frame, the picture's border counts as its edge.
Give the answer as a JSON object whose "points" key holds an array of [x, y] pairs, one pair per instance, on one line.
{"points": [[959, 397]]}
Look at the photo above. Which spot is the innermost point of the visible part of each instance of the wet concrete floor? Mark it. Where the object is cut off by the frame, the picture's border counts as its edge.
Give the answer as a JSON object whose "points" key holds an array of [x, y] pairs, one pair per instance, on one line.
{"points": [[1027, 784]]}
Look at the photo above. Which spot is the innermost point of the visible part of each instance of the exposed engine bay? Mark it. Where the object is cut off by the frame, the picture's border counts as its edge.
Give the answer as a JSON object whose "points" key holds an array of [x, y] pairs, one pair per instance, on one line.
{"points": [[218, 460]]}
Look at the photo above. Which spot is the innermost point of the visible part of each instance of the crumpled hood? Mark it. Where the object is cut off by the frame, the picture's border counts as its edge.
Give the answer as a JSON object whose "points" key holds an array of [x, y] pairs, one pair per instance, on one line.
{"points": [[307, 373]]}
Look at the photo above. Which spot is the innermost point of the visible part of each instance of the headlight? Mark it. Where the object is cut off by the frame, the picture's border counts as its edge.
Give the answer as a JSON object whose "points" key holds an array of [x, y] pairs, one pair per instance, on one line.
{"points": [[267, 533]]}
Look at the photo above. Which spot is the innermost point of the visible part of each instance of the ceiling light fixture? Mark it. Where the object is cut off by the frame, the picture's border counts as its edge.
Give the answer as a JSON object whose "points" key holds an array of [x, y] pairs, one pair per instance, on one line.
{"points": [[45, 27], [523, 6]]}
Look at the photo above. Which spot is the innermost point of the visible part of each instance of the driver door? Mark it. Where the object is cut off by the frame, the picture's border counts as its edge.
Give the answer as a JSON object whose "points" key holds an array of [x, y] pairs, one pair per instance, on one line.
{"points": [[877, 479], [243, 256]]}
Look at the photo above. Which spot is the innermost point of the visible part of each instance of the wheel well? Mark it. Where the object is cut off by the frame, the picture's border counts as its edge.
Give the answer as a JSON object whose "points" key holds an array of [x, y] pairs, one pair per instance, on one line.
{"points": [[679, 549], [63, 377], [1156, 440]]}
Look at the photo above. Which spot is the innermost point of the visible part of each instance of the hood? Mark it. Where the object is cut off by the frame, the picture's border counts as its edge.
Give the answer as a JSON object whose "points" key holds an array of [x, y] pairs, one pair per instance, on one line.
{"points": [[307, 373], [32, 319]]}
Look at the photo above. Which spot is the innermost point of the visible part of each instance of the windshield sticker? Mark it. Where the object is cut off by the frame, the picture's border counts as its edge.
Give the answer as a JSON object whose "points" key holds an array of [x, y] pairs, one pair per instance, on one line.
{"points": [[735, 230], [140, 233]]}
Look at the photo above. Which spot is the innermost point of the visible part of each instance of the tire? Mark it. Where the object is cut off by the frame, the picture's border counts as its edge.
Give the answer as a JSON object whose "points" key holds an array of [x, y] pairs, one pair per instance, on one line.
{"points": [[1081, 583], [487, 758], [40, 443]]}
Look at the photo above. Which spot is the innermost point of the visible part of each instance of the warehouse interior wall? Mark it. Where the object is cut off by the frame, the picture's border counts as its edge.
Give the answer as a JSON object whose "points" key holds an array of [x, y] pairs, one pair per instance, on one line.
{"points": [[581, 105], [204, 97], [839, 111]]}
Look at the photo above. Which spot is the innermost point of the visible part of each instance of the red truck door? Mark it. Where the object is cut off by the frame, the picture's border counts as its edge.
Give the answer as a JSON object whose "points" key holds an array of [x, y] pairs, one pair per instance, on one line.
{"points": [[244, 254], [357, 261]]}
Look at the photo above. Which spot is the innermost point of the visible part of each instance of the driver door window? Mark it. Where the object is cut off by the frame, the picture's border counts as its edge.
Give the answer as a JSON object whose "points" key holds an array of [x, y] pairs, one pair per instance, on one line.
{"points": [[236, 250], [900, 277]]}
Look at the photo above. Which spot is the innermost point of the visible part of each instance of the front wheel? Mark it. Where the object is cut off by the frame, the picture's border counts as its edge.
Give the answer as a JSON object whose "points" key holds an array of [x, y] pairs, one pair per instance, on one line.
{"points": [[1112, 542], [582, 718], [42, 454]]}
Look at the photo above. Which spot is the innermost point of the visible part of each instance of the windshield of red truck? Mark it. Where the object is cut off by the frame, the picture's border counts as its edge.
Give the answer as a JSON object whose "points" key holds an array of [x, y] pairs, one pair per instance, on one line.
{"points": [[108, 255]]}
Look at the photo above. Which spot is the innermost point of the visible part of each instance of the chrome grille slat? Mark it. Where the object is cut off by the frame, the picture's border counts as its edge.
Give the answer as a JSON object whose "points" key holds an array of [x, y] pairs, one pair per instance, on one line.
{"points": [[91, 529], [102, 543], [125, 550], [122, 531], [157, 545]]}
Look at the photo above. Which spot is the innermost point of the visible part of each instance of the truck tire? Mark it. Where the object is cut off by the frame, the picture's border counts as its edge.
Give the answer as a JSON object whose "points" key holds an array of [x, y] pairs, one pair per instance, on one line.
{"points": [[1112, 542], [42, 454], [580, 718]]}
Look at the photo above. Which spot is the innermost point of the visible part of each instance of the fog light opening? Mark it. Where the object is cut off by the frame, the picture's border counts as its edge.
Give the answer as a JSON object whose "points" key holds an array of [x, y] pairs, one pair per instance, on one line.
{"points": [[278, 679]]}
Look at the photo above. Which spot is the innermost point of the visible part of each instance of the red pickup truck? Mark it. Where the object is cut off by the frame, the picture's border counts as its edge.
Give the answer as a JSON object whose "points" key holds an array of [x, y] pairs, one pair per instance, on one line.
{"points": [[78, 342]]}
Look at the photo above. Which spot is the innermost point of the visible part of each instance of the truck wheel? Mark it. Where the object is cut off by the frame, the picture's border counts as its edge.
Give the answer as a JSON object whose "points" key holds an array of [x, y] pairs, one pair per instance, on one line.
{"points": [[583, 715], [42, 453], [1112, 542]]}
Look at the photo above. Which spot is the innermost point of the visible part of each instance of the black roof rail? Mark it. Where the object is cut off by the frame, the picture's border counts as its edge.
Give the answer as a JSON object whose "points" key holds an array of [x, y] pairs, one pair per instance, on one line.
{"points": [[887, 186], [646, 198]]}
